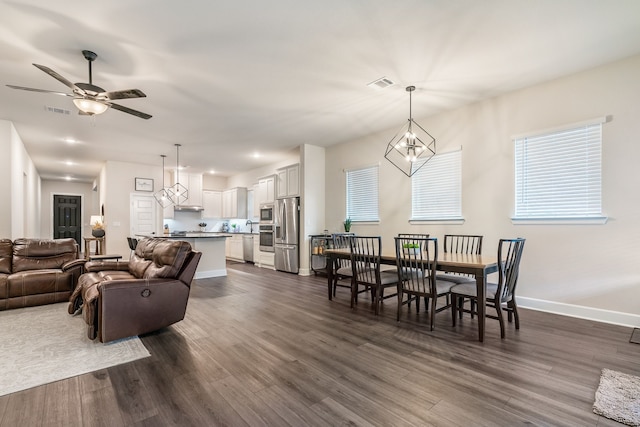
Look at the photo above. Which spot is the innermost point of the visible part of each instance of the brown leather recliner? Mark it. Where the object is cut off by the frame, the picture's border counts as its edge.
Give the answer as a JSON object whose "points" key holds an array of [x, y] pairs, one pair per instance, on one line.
{"points": [[150, 291], [37, 271]]}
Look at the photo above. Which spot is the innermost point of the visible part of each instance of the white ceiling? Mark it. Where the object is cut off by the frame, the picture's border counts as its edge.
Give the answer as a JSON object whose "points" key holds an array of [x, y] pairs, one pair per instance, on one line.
{"points": [[228, 79]]}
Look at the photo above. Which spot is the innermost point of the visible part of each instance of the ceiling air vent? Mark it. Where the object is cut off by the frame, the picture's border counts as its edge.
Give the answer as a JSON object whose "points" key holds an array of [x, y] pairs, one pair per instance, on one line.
{"points": [[381, 83], [57, 110]]}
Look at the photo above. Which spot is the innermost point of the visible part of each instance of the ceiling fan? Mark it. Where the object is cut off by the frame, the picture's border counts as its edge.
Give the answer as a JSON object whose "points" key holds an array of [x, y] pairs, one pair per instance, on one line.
{"points": [[89, 98]]}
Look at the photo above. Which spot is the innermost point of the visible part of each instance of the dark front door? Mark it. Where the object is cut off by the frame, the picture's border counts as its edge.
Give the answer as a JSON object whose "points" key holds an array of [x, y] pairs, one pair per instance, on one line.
{"points": [[67, 221]]}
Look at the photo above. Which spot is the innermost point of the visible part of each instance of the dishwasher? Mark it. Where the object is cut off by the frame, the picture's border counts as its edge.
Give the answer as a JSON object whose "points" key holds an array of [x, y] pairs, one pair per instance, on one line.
{"points": [[247, 247]]}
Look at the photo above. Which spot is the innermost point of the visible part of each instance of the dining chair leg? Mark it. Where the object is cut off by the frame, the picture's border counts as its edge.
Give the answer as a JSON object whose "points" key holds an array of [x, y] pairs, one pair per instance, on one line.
{"points": [[453, 310], [400, 296], [500, 319], [434, 300], [514, 309], [426, 303]]}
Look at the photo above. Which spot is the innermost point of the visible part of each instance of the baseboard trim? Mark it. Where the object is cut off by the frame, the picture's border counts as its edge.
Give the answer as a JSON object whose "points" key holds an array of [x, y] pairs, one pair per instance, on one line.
{"points": [[581, 312], [211, 273]]}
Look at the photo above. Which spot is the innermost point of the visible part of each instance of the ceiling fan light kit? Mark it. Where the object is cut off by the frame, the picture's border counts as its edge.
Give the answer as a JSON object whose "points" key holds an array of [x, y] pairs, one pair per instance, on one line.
{"points": [[412, 146], [89, 106], [87, 97]]}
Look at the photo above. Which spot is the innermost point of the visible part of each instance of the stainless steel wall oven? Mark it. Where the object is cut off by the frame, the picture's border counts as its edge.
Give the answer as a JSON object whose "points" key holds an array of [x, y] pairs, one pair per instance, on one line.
{"points": [[267, 237]]}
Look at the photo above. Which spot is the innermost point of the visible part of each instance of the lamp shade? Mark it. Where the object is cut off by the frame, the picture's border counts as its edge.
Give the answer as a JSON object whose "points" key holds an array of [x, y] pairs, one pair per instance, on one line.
{"points": [[90, 106], [96, 220]]}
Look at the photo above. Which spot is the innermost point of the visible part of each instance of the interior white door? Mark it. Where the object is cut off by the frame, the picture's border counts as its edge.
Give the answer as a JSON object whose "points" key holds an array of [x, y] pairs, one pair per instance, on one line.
{"points": [[144, 218]]}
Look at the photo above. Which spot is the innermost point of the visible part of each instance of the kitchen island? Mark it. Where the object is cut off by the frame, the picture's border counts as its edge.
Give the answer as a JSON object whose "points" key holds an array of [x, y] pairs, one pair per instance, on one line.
{"points": [[212, 245]]}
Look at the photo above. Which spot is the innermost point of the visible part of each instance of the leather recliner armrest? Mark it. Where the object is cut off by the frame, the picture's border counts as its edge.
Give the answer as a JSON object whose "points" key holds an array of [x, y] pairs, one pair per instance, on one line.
{"points": [[74, 264], [118, 265]]}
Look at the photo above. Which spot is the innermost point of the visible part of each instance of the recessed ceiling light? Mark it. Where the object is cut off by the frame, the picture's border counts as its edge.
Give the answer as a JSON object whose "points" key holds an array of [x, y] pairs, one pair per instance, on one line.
{"points": [[70, 140], [69, 163], [381, 83], [256, 155], [68, 178], [212, 171]]}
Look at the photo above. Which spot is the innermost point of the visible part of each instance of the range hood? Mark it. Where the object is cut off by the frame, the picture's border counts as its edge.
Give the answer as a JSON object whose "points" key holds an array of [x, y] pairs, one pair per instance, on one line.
{"points": [[188, 208]]}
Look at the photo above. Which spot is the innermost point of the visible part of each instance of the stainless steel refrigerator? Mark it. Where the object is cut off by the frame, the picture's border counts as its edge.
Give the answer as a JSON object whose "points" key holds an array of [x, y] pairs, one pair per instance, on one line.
{"points": [[287, 229]]}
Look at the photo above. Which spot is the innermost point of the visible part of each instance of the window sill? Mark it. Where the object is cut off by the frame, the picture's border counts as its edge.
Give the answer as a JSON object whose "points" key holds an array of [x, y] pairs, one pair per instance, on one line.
{"points": [[560, 221], [444, 221]]}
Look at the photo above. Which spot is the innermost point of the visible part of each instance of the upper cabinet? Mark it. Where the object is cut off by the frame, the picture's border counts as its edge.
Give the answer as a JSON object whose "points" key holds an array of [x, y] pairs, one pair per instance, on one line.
{"points": [[288, 184], [266, 189], [212, 204], [195, 189], [234, 203]]}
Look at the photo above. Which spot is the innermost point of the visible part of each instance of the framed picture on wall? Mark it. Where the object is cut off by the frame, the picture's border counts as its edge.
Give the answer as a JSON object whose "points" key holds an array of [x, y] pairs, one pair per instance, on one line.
{"points": [[144, 184]]}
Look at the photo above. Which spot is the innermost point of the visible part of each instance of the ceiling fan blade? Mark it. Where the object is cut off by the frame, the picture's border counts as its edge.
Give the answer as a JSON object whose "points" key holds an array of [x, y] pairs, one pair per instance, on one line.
{"points": [[123, 94], [40, 90], [57, 77], [130, 111]]}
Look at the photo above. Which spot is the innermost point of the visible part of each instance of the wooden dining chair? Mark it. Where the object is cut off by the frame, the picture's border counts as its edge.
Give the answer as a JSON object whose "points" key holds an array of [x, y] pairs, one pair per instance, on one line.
{"points": [[461, 244], [365, 265], [342, 267], [503, 292], [416, 261]]}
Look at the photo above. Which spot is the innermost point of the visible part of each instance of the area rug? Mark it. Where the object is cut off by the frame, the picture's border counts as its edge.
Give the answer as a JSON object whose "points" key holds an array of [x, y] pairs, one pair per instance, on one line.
{"points": [[618, 397], [40, 345]]}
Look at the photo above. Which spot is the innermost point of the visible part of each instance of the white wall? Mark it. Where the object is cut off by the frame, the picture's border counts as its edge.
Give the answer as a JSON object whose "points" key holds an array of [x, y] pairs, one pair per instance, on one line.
{"points": [[20, 180], [312, 183], [582, 270]]}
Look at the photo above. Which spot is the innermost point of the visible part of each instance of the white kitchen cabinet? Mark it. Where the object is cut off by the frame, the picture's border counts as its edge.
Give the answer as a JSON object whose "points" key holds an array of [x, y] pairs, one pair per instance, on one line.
{"points": [[266, 189], [234, 203], [256, 204], [288, 184], [267, 260], [233, 248], [193, 183], [212, 204], [195, 189]]}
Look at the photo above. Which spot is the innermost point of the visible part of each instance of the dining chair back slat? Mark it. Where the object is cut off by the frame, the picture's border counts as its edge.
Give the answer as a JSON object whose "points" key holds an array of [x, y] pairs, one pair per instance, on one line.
{"points": [[463, 244]]}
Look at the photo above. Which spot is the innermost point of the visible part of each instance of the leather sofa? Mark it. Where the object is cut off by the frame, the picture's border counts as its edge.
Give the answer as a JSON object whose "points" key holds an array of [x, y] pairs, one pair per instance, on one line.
{"points": [[120, 299], [37, 271]]}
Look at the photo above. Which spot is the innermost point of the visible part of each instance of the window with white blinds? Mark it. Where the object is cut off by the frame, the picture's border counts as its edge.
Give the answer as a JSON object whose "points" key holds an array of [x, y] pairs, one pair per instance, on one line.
{"points": [[436, 189], [362, 194], [558, 174]]}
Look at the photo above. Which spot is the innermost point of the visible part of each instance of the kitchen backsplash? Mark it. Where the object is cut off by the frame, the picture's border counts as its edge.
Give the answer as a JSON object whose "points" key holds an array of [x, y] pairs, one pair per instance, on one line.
{"points": [[189, 221]]}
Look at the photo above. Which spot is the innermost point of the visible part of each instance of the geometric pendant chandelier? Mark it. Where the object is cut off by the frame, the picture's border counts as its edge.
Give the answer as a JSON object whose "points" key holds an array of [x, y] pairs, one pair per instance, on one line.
{"points": [[412, 146], [178, 193], [162, 196]]}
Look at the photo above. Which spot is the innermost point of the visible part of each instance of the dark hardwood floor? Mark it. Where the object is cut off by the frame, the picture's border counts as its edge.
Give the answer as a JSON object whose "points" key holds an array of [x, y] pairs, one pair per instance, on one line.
{"points": [[267, 348]]}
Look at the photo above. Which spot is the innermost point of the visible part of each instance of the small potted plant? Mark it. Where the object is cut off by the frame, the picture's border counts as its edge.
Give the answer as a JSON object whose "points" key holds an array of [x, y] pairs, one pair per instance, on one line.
{"points": [[233, 226], [203, 226], [411, 248], [347, 225]]}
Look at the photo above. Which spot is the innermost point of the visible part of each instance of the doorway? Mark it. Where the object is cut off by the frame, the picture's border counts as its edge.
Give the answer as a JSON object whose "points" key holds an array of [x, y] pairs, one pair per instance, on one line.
{"points": [[67, 217], [143, 215]]}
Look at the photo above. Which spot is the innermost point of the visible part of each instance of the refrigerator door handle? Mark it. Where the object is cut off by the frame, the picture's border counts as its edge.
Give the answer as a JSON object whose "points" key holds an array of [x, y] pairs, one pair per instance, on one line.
{"points": [[284, 220]]}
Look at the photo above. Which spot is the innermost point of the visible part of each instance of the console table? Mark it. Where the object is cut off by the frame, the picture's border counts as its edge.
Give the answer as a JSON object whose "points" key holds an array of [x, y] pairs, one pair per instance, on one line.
{"points": [[99, 246]]}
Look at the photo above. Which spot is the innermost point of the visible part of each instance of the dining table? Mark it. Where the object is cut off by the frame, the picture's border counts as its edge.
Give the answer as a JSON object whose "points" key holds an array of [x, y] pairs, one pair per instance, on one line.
{"points": [[479, 266]]}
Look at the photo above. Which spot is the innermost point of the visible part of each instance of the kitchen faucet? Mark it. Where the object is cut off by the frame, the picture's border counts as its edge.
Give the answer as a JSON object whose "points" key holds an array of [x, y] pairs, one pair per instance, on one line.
{"points": [[250, 224]]}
